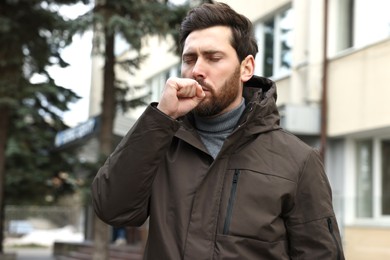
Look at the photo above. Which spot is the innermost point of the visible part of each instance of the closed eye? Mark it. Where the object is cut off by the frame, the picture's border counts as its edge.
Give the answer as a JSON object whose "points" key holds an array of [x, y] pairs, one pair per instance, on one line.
{"points": [[215, 58], [188, 59]]}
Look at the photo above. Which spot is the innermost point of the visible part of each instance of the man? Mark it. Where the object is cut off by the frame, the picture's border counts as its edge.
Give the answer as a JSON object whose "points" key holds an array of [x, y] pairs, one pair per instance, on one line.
{"points": [[211, 167]]}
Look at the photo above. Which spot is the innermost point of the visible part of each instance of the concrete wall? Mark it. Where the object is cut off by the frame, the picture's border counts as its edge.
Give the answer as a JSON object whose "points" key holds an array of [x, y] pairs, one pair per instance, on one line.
{"points": [[363, 243], [255, 9], [359, 90]]}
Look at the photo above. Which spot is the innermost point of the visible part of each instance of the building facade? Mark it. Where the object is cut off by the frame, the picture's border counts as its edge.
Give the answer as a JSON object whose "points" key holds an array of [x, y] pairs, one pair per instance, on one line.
{"points": [[331, 54]]}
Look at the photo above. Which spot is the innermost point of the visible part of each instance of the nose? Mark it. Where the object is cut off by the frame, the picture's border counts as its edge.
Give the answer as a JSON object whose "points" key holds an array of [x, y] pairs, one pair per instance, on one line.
{"points": [[198, 71]]}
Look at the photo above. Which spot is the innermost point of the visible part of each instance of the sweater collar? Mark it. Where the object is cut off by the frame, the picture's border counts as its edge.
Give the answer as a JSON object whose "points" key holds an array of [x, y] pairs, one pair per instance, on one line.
{"points": [[224, 122]]}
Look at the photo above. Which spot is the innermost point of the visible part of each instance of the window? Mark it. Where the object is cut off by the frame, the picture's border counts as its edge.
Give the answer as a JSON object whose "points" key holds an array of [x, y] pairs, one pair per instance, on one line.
{"points": [[345, 24], [268, 60], [364, 189], [286, 40], [372, 179], [355, 24], [372, 21], [385, 192], [275, 40]]}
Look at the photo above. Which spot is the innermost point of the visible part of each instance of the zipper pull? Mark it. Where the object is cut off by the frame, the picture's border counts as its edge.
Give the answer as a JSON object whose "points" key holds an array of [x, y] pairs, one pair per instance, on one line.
{"points": [[330, 226], [235, 177]]}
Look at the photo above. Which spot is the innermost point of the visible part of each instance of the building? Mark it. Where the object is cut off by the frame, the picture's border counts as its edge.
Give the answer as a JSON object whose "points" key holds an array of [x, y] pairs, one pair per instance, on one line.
{"points": [[321, 53]]}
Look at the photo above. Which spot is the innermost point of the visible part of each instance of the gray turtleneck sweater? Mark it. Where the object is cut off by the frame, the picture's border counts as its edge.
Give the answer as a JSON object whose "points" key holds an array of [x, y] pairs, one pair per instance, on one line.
{"points": [[213, 131]]}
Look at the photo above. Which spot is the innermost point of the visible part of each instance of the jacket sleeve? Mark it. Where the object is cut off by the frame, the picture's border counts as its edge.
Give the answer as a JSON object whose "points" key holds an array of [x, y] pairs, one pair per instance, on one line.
{"points": [[121, 189], [311, 224]]}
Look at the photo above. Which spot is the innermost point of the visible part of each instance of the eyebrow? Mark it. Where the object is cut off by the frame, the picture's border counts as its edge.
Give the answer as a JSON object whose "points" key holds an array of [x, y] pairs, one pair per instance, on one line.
{"points": [[207, 52]]}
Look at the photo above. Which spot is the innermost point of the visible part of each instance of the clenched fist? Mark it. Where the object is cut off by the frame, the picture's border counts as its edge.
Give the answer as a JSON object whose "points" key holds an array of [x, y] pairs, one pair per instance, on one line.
{"points": [[180, 96]]}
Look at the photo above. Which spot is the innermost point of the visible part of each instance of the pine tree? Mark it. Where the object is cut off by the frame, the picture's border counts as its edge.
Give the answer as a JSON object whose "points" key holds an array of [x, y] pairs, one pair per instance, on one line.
{"points": [[32, 33]]}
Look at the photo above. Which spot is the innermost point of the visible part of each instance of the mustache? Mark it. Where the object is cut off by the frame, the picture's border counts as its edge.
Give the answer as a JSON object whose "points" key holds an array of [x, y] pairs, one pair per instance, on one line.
{"points": [[204, 84]]}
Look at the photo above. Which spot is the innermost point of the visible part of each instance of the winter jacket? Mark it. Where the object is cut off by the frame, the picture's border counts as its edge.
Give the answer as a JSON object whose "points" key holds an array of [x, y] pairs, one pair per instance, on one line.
{"points": [[265, 196]]}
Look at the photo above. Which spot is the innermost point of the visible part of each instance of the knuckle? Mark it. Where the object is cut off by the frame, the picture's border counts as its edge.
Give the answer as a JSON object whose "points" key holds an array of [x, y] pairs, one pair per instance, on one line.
{"points": [[171, 81]]}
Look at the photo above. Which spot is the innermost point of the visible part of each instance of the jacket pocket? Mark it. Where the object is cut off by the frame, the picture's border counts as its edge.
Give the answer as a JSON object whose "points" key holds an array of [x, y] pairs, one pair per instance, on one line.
{"points": [[232, 198], [252, 204]]}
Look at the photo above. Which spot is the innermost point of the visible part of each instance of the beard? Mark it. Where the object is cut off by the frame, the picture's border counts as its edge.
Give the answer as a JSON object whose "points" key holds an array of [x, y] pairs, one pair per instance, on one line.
{"points": [[218, 101]]}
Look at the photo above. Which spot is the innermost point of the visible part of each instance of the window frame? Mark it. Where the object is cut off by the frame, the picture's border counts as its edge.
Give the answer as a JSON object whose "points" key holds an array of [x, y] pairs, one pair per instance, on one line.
{"points": [[377, 218], [259, 29], [351, 23]]}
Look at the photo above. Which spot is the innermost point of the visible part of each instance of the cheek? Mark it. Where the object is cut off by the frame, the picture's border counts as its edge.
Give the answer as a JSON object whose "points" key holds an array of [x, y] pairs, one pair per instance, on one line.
{"points": [[225, 72], [185, 72]]}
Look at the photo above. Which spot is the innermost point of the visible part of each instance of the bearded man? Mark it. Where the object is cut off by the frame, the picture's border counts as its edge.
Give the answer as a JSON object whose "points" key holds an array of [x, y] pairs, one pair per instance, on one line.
{"points": [[209, 164]]}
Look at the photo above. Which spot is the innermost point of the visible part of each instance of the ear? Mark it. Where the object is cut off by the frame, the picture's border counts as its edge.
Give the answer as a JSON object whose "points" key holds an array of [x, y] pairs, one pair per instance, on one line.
{"points": [[247, 68]]}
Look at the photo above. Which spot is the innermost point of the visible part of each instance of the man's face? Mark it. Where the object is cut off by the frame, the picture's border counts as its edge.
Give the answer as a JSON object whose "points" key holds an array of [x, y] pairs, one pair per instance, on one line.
{"points": [[209, 58]]}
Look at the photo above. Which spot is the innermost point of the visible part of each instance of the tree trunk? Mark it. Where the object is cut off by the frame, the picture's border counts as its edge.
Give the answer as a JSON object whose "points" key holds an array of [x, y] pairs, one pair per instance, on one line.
{"points": [[4, 119], [109, 98], [102, 230]]}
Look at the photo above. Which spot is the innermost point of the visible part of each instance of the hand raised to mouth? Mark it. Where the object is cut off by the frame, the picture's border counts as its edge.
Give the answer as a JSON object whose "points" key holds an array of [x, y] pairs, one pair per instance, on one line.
{"points": [[180, 96]]}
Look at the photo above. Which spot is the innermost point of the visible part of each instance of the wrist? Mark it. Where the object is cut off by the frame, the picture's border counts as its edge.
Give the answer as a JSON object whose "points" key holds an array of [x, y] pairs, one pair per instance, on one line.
{"points": [[164, 111]]}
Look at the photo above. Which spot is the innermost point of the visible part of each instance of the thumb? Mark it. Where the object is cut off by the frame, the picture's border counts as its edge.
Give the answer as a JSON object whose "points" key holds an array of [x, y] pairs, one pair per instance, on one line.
{"points": [[199, 92]]}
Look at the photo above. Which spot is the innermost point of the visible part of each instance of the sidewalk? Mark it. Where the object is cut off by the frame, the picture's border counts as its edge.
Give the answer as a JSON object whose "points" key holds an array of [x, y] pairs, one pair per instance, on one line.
{"points": [[38, 243], [41, 253]]}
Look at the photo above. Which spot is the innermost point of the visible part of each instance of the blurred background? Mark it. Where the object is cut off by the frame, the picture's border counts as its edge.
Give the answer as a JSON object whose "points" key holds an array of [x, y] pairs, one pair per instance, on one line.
{"points": [[76, 75]]}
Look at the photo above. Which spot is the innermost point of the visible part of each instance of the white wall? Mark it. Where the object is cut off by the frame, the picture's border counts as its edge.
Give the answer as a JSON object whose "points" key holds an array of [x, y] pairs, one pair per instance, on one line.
{"points": [[359, 90]]}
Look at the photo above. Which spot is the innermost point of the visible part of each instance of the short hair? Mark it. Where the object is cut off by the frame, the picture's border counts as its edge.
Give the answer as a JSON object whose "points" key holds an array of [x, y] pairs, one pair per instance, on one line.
{"points": [[208, 15]]}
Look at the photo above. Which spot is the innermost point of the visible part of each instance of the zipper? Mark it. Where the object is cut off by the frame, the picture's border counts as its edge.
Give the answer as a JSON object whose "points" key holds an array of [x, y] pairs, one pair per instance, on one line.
{"points": [[330, 227], [232, 197]]}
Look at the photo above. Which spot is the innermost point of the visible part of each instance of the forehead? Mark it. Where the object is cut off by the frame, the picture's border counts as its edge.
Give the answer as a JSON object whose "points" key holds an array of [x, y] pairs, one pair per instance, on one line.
{"points": [[216, 37]]}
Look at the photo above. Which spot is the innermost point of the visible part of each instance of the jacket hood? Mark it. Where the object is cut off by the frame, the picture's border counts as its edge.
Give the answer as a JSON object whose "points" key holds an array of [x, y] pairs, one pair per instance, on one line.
{"points": [[259, 85], [261, 111]]}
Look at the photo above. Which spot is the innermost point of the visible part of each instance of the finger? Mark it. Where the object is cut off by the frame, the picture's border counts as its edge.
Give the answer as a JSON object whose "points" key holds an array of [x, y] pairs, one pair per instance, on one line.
{"points": [[187, 89], [199, 92]]}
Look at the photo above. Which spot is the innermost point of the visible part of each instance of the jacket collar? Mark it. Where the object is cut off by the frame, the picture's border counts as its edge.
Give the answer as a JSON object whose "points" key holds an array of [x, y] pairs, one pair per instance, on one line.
{"points": [[260, 115]]}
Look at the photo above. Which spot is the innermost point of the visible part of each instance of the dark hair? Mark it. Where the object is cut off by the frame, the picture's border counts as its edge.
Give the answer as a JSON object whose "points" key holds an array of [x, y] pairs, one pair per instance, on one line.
{"points": [[208, 15]]}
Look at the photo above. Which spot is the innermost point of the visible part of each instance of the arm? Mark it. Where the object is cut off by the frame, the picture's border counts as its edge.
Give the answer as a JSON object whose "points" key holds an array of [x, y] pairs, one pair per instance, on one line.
{"points": [[122, 186], [311, 225]]}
